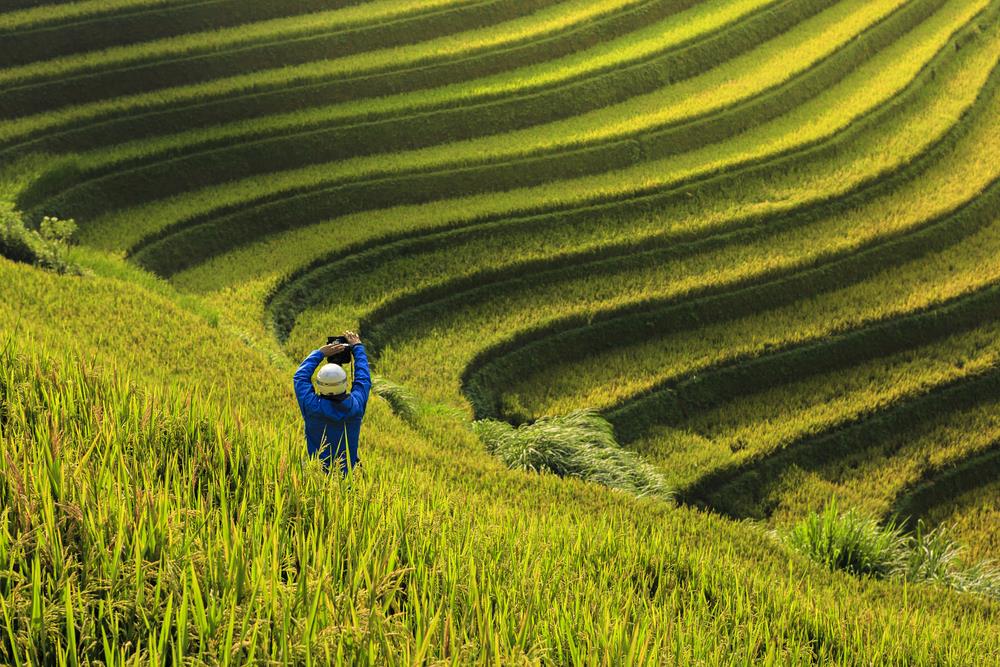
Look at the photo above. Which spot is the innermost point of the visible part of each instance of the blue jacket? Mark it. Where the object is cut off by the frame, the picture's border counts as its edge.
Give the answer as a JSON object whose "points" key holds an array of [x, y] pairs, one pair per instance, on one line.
{"points": [[328, 422]]}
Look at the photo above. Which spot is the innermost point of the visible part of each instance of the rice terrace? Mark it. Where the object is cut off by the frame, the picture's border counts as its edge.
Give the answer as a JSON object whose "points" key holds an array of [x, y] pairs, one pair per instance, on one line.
{"points": [[682, 317]]}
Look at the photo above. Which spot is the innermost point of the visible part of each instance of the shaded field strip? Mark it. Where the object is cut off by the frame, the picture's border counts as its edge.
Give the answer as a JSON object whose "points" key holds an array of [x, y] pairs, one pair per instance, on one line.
{"points": [[133, 25], [182, 112], [741, 490], [294, 293], [169, 250], [24, 99], [940, 486], [343, 139], [341, 22], [670, 403], [567, 338]]}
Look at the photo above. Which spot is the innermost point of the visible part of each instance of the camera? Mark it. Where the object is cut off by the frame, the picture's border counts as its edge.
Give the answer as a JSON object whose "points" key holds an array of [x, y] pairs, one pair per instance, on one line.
{"points": [[343, 357]]}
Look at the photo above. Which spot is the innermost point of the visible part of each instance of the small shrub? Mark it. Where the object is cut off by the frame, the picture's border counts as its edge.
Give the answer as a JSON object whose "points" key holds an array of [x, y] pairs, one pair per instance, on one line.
{"points": [[850, 542], [48, 247], [580, 444]]}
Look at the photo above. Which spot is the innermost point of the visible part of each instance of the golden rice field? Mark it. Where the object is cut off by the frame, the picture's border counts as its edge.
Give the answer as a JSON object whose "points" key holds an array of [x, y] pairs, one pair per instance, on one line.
{"points": [[761, 238]]}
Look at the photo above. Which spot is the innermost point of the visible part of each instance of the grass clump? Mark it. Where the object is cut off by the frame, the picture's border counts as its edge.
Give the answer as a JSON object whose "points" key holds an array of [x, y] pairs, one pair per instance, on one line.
{"points": [[934, 556], [579, 444], [46, 247], [862, 546], [848, 541]]}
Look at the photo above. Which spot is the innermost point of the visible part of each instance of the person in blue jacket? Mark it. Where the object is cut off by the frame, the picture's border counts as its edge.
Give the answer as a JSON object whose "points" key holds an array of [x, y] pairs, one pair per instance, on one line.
{"points": [[332, 415]]}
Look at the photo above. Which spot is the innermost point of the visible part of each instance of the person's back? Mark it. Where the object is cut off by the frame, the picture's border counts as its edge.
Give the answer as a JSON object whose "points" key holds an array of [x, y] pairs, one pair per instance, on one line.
{"points": [[333, 416]]}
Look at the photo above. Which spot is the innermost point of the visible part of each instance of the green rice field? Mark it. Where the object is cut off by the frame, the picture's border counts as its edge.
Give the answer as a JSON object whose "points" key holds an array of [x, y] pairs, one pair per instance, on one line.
{"points": [[722, 268]]}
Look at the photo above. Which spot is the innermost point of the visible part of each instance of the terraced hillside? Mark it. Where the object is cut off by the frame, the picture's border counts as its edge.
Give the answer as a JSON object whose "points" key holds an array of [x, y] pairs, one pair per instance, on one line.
{"points": [[761, 237]]}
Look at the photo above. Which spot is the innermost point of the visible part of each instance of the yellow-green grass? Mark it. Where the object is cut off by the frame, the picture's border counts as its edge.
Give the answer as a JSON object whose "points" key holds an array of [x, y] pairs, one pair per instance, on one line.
{"points": [[632, 369], [973, 517], [877, 150], [147, 469], [558, 17], [775, 418], [123, 25], [872, 477], [812, 122], [606, 58], [967, 168]]}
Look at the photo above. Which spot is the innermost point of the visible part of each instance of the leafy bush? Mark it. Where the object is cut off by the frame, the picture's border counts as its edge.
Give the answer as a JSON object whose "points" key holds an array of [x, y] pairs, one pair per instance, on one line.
{"points": [[580, 444], [850, 542], [48, 247], [860, 545]]}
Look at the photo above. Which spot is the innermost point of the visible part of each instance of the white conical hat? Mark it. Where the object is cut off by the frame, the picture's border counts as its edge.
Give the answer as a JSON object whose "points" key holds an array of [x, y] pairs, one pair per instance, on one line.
{"points": [[331, 380]]}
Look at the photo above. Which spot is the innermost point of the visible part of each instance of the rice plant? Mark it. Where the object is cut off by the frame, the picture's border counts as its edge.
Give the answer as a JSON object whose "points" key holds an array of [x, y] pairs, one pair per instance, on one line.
{"points": [[848, 541], [933, 555], [862, 546]]}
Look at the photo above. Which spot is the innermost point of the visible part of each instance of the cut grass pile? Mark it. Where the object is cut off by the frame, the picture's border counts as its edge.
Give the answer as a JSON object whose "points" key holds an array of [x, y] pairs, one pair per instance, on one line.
{"points": [[580, 444]]}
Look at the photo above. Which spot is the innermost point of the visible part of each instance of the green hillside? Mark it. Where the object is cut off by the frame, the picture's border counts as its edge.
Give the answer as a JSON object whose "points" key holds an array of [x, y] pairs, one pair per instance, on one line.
{"points": [[761, 238]]}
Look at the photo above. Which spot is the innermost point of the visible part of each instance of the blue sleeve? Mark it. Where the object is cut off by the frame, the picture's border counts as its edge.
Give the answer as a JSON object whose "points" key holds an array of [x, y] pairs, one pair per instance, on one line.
{"points": [[362, 381], [303, 376]]}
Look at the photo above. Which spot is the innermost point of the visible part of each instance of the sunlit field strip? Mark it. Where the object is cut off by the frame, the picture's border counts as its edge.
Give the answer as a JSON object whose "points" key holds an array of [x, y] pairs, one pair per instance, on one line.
{"points": [[537, 140], [632, 369], [762, 195], [753, 74], [89, 200], [298, 148], [601, 291], [560, 16], [502, 302], [873, 477], [439, 263], [441, 49], [607, 58]]}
